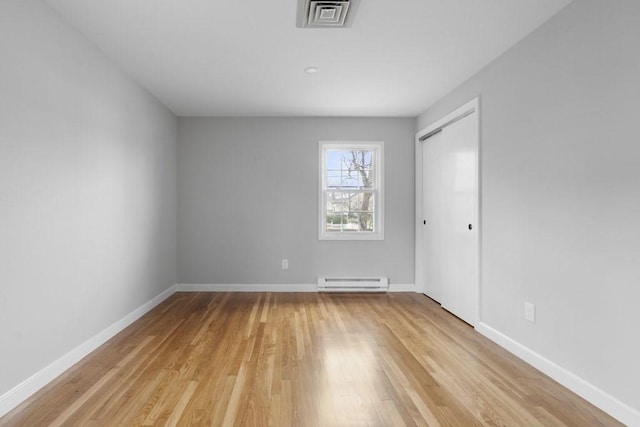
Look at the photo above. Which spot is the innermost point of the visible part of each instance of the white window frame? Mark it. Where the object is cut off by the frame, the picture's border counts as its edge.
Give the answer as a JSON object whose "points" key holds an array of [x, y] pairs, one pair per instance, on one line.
{"points": [[378, 190]]}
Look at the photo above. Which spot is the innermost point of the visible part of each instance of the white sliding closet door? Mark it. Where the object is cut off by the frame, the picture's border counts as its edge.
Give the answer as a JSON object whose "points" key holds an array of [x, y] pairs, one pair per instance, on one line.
{"points": [[434, 220], [450, 200]]}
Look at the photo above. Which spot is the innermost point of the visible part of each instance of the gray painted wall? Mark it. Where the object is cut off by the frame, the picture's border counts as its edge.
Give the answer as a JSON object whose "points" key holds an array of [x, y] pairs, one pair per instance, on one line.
{"points": [[561, 191], [87, 192], [248, 197]]}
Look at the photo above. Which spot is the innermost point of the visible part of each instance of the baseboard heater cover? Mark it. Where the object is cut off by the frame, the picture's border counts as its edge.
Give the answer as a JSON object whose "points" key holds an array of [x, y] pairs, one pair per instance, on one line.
{"points": [[357, 284]]}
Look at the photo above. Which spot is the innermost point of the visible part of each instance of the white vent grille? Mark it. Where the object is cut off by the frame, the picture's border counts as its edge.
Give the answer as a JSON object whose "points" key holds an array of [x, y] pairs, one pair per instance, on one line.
{"points": [[322, 13], [359, 284]]}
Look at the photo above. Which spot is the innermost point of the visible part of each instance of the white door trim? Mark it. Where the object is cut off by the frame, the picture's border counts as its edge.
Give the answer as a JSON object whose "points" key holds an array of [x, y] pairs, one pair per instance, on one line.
{"points": [[466, 109]]}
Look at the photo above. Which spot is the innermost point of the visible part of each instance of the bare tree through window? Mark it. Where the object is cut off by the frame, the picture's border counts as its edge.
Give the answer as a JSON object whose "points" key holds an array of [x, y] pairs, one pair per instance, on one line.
{"points": [[361, 162]]}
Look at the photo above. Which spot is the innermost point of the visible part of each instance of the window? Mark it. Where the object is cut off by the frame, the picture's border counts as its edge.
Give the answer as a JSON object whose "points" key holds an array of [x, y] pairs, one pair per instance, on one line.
{"points": [[351, 190]]}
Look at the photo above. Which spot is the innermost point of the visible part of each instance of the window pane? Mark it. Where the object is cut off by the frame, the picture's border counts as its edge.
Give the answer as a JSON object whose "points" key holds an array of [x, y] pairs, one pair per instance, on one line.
{"points": [[350, 168], [336, 222], [348, 211], [364, 221], [334, 179], [361, 202]]}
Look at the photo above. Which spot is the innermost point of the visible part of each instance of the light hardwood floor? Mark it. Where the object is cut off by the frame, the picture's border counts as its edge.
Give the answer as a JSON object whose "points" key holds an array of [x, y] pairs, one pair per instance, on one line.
{"points": [[303, 359]]}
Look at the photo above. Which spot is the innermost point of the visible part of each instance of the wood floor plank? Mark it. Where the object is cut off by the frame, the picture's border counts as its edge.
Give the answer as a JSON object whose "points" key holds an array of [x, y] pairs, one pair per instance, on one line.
{"points": [[303, 359]]}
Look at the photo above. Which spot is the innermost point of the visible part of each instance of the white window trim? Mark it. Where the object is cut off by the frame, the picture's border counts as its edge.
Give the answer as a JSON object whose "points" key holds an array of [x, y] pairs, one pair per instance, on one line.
{"points": [[378, 226]]}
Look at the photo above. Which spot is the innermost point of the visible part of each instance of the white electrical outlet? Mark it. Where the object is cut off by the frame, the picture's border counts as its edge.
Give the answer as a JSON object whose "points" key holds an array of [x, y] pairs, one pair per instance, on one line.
{"points": [[285, 264], [530, 312]]}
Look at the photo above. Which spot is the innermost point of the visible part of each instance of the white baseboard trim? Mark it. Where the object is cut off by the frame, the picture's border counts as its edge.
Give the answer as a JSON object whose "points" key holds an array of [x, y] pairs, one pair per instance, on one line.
{"points": [[204, 287], [306, 287], [25, 389], [609, 404]]}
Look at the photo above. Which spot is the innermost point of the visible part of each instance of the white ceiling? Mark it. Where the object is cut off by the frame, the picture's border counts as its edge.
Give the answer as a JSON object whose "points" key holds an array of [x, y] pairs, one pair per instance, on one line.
{"points": [[246, 57]]}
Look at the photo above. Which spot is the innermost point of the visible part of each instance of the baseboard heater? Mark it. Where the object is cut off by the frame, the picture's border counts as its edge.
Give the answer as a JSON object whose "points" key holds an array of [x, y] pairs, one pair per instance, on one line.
{"points": [[359, 284]]}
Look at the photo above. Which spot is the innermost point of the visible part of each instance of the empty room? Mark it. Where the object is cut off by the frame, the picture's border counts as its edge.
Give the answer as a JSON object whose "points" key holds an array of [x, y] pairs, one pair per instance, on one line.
{"points": [[319, 213]]}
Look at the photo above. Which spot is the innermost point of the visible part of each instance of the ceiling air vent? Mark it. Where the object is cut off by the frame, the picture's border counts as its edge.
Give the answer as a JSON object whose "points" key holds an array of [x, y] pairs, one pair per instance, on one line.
{"points": [[323, 14]]}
